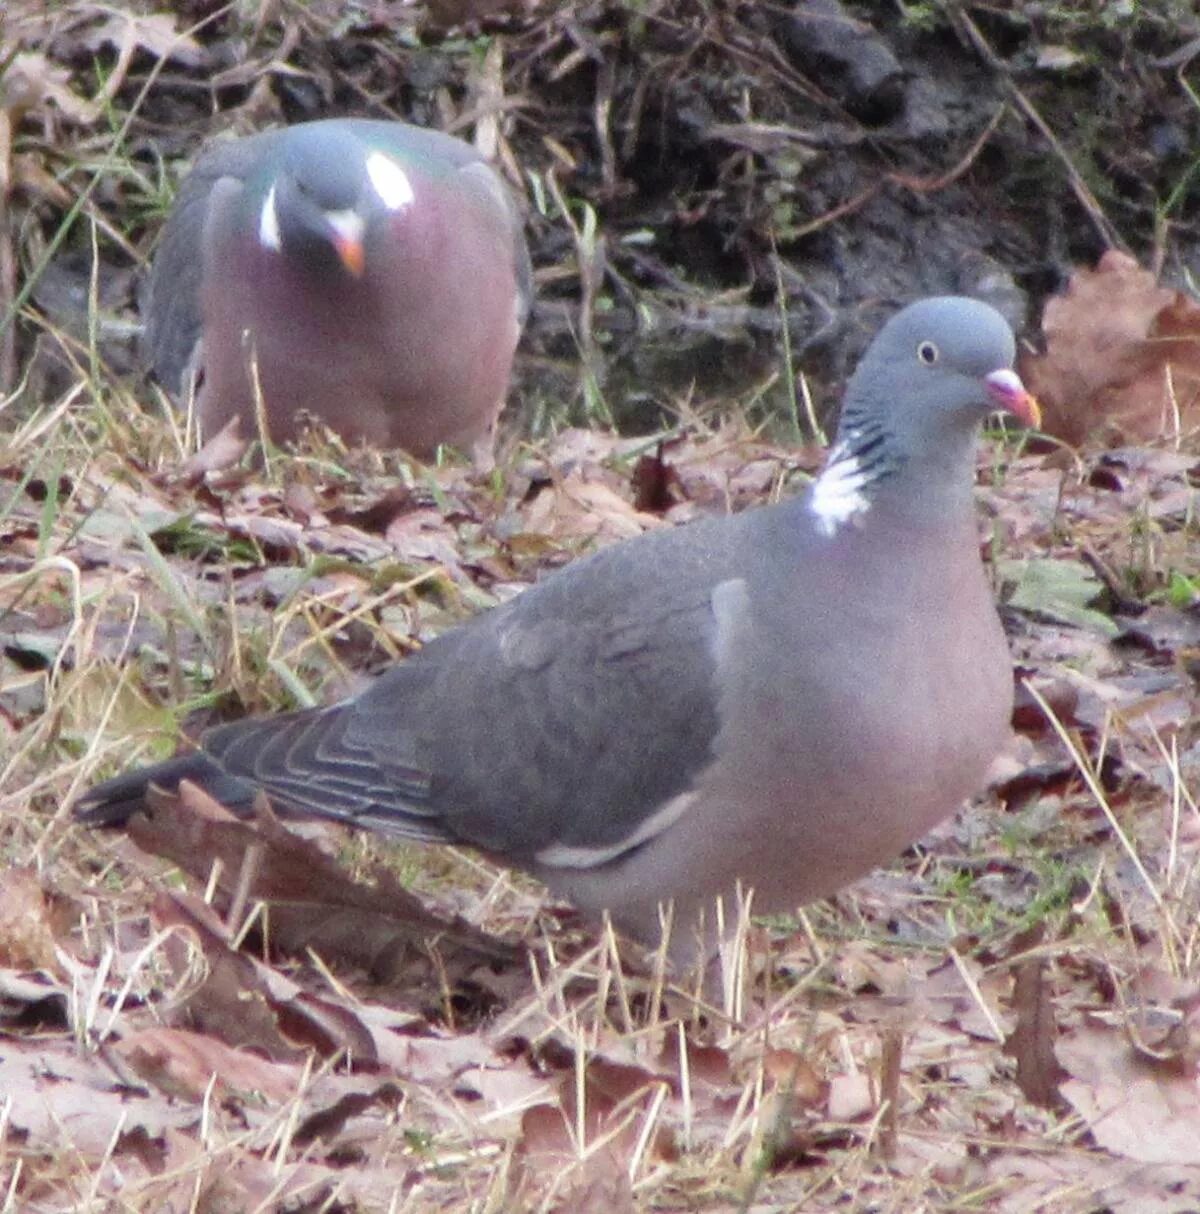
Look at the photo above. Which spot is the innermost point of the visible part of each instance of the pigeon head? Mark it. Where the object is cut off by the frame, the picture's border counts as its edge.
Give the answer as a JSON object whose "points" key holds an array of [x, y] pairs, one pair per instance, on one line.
{"points": [[937, 366], [323, 195], [913, 406]]}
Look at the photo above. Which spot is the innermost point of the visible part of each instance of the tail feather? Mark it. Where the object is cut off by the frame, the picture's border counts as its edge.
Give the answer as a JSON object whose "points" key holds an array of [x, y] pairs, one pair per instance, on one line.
{"points": [[115, 801], [314, 762]]}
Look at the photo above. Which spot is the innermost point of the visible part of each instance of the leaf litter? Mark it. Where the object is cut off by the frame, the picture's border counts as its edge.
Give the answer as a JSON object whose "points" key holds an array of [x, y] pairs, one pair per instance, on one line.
{"points": [[264, 1015], [437, 1026]]}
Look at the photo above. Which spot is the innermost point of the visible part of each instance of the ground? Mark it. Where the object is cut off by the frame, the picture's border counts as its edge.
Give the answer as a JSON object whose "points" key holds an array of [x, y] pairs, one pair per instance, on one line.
{"points": [[723, 201]]}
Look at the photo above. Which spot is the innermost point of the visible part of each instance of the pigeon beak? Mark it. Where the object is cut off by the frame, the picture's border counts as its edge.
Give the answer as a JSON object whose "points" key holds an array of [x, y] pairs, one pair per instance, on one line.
{"points": [[1011, 395], [346, 236]]}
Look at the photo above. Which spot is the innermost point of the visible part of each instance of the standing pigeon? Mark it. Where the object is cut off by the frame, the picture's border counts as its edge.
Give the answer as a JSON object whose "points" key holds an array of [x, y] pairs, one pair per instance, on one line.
{"points": [[782, 698], [371, 275]]}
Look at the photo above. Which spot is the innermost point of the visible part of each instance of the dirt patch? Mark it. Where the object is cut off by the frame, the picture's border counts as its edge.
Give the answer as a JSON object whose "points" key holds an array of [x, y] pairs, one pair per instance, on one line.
{"points": [[700, 176]]}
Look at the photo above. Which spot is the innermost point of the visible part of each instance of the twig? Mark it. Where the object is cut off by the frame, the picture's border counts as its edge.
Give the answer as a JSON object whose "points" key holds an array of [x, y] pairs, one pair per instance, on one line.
{"points": [[8, 262], [919, 185], [1082, 191], [845, 208], [930, 185], [1122, 601]]}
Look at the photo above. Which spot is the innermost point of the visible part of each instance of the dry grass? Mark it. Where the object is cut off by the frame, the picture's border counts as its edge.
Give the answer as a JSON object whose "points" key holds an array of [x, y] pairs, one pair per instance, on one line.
{"points": [[868, 1056], [1002, 1021]]}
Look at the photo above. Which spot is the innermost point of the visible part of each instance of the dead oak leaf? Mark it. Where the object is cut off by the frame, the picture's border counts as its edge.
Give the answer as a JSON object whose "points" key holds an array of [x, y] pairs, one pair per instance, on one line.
{"points": [[315, 903], [1031, 1042], [247, 1003], [59, 1097], [30, 81], [1133, 1106], [578, 506], [1122, 360]]}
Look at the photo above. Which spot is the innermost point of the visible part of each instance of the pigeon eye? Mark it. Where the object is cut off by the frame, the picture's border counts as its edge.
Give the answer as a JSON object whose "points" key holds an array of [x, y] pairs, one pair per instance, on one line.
{"points": [[927, 352]]}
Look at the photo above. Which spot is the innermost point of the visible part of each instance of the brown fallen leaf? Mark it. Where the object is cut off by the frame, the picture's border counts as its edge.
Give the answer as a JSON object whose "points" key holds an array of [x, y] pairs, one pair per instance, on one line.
{"points": [[222, 451], [706, 1064], [26, 939], [244, 1002], [596, 1143], [54, 1093], [329, 1121], [791, 1072], [1122, 360], [183, 1064], [155, 33], [547, 1157], [655, 482], [1031, 1043], [30, 80], [1133, 1107], [314, 903], [579, 506]]}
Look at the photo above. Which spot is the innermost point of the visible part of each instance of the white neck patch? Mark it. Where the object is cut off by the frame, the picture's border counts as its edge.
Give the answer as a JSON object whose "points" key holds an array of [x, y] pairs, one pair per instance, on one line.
{"points": [[837, 494], [268, 224], [390, 182]]}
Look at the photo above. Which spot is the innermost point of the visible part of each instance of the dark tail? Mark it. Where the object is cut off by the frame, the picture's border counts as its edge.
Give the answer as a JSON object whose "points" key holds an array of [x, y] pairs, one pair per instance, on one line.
{"points": [[115, 801]]}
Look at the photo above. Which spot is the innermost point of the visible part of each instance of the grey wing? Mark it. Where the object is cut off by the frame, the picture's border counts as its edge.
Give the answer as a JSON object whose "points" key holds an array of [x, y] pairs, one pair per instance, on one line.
{"points": [[170, 300], [566, 732], [316, 761], [564, 719]]}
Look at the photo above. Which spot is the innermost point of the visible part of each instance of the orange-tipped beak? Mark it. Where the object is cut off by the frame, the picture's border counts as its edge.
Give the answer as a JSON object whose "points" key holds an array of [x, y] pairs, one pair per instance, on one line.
{"points": [[350, 253], [346, 232], [1011, 395]]}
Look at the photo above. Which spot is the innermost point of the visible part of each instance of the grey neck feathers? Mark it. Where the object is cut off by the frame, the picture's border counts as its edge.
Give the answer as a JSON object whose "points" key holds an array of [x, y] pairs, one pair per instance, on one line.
{"points": [[918, 476], [863, 455]]}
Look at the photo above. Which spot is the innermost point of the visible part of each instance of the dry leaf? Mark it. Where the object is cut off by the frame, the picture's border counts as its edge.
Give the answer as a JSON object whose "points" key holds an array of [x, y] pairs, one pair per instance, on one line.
{"points": [[155, 33], [26, 939], [315, 904], [222, 451], [183, 1064], [578, 506], [1031, 1043], [56, 1094], [31, 80], [1134, 1107], [1122, 360]]}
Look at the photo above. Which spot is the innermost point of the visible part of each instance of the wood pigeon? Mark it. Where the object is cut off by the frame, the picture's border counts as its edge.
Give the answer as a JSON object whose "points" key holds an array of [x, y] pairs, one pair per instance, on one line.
{"points": [[783, 698], [371, 275]]}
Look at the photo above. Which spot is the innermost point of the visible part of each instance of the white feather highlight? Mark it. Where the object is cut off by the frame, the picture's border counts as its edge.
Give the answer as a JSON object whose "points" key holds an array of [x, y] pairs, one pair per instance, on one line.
{"points": [[560, 855], [347, 224], [390, 182], [268, 224]]}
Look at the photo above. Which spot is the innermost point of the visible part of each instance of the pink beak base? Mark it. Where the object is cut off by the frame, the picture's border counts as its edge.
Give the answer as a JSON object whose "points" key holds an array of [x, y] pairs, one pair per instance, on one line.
{"points": [[1011, 395]]}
